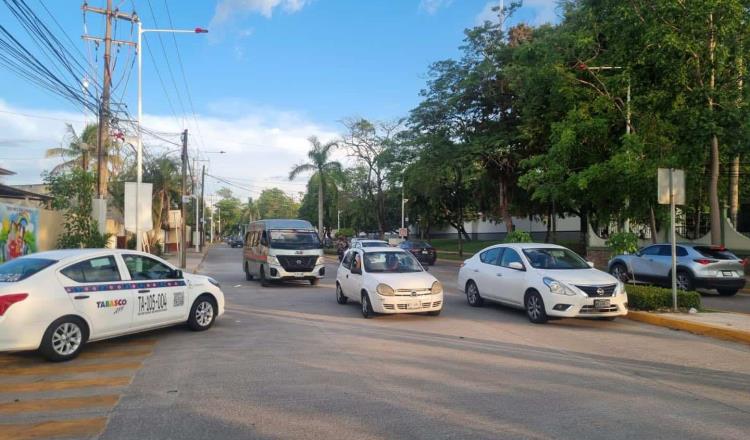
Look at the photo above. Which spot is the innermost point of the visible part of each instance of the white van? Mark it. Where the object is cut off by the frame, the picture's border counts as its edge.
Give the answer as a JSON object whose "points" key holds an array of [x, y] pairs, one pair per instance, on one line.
{"points": [[283, 250]]}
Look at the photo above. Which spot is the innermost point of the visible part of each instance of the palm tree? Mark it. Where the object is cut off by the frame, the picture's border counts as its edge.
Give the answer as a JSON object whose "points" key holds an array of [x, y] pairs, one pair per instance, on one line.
{"points": [[78, 151], [321, 167]]}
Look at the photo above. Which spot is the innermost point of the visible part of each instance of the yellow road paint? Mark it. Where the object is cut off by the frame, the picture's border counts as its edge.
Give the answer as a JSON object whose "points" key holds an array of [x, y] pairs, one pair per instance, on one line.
{"points": [[63, 404], [53, 429], [57, 369], [32, 387]]}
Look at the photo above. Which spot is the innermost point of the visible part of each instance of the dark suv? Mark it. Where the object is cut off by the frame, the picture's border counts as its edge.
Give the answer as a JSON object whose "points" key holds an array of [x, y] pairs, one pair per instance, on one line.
{"points": [[424, 251]]}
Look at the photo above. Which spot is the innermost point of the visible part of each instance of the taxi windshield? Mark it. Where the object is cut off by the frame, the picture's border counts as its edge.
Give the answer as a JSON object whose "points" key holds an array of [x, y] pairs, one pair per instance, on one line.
{"points": [[22, 268], [391, 262]]}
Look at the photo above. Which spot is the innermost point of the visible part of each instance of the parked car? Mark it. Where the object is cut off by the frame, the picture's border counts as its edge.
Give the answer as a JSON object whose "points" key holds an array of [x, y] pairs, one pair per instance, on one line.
{"points": [[698, 266], [283, 249], [423, 251], [369, 243], [236, 242], [543, 279], [387, 280], [58, 301]]}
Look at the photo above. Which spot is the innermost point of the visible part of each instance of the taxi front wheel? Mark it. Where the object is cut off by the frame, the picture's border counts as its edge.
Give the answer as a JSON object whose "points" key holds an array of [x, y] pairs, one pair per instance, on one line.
{"points": [[64, 339], [202, 314]]}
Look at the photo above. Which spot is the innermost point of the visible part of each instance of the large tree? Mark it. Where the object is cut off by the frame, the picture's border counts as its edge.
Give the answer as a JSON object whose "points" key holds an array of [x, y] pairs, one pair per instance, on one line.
{"points": [[321, 166]]}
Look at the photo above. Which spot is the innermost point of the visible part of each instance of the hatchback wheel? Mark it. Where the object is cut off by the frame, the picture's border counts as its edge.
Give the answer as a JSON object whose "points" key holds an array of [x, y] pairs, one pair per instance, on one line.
{"points": [[535, 308], [367, 311], [684, 281], [340, 297], [202, 314], [472, 295], [63, 339]]}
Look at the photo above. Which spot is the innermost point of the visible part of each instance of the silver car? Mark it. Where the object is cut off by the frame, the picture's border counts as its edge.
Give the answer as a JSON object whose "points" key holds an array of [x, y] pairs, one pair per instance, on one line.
{"points": [[698, 266]]}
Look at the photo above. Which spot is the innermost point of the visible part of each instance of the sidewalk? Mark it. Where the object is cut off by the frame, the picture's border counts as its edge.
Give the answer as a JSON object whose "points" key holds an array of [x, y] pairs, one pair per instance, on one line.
{"points": [[193, 259], [727, 326]]}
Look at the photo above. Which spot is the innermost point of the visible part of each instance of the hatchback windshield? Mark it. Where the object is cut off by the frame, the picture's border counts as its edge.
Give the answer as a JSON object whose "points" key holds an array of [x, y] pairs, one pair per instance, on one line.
{"points": [[289, 239], [554, 258], [391, 262], [22, 268]]}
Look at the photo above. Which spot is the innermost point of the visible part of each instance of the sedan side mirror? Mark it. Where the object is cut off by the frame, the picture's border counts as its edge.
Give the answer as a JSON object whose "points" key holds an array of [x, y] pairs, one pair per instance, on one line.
{"points": [[590, 263], [517, 266]]}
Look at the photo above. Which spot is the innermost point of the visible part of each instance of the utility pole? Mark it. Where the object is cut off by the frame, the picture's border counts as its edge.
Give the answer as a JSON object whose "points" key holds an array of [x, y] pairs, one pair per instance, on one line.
{"points": [[104, 113], [203, 207], [183, 216], [196, 235]]}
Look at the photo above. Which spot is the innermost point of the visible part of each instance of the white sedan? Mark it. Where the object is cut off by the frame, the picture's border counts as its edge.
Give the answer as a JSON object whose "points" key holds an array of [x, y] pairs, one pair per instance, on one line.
{"points": [[545, 280], [387, 280], [57, 301]]}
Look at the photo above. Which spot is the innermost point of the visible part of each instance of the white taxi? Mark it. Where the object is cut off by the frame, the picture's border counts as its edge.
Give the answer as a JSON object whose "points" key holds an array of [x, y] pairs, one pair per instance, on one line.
{"points": [[387, 280], [57, 301]]}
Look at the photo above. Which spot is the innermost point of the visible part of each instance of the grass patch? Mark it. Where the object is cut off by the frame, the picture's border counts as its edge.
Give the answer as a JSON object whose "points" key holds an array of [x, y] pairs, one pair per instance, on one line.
{"points": [[653, 298], [451, 245]]}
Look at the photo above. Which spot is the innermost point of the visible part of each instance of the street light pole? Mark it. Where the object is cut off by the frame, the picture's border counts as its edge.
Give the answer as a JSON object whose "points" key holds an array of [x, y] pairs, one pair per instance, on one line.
{"points": [[139, 149]]}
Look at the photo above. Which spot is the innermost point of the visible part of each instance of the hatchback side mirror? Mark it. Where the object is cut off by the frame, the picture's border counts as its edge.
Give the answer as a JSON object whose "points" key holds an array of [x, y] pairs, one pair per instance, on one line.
{"points": [[517, 266]]}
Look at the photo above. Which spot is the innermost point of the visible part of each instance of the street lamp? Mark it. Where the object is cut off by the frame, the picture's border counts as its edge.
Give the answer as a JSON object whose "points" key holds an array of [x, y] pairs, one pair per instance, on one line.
{"points": [[139, 149]]}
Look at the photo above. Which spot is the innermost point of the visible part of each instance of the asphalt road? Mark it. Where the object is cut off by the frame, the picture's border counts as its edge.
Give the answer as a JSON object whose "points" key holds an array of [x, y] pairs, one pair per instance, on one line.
{"points": [[739, 303], [287, 362]]}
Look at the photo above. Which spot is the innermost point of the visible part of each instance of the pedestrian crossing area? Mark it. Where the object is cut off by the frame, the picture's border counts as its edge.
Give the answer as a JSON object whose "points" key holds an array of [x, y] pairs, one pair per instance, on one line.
{"points": [[70, 400]]}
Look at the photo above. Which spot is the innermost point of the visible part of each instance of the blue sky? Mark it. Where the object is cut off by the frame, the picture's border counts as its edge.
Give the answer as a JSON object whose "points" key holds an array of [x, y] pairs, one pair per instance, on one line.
{"points": [[268, 71]]}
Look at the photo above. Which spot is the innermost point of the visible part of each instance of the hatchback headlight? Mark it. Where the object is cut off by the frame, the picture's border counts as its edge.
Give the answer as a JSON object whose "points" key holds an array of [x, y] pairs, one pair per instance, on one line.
{"points": [[320, 261], [385, 290], [437, 288], [272, 260], [558, 287]]}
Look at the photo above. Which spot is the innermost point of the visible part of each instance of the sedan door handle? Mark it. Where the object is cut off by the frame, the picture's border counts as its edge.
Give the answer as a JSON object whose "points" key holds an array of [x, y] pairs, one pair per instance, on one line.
{"points": [[81, 297], [499, 274], [144, 291], [476, 270]]}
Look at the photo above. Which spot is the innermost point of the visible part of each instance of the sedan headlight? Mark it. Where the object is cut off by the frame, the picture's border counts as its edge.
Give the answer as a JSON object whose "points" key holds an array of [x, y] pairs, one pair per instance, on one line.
{"points": [[558, 287], [272, 260], [320, 261], [214, 282], [620, 289], [437, 288], [385, 290]]}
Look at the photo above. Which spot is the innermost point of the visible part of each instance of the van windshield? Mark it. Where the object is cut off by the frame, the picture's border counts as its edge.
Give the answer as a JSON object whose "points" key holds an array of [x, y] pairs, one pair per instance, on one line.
{"points": [[291, 239]]}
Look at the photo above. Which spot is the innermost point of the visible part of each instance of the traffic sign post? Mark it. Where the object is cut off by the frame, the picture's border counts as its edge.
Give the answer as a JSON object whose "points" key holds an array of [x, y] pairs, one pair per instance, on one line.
{"points": [[671, 190]]}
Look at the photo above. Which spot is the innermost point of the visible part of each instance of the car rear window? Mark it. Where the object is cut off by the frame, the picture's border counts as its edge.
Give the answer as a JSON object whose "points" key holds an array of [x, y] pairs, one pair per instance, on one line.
{"points": [[22, 268], [716, 253]]}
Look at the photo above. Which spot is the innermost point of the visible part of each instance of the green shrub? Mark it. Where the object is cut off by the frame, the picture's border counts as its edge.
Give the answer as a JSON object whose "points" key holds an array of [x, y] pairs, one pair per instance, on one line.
{"points": [[518, 237], [623, 243], [658, 298], [345, 232]]}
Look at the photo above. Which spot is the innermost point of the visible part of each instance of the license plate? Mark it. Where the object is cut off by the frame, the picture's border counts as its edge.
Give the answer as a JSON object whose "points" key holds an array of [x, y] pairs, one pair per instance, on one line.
{"points": [[728, 273], [601, 303], [299, 274], [415, 305], [425, 252]]}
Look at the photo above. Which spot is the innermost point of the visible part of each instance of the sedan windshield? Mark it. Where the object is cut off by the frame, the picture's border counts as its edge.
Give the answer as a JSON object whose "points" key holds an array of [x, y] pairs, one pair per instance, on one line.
{"points": [[391, 262], [289, 239], [554, 258], [22, 268]]}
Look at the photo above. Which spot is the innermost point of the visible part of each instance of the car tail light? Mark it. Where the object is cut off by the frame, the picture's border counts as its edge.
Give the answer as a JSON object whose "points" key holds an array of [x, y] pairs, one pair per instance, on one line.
{"points": [[8, 300], [704, 261]]}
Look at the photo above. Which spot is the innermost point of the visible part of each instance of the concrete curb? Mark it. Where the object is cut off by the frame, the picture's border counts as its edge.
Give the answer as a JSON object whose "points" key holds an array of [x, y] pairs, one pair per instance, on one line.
{"points": [[697, 328]]}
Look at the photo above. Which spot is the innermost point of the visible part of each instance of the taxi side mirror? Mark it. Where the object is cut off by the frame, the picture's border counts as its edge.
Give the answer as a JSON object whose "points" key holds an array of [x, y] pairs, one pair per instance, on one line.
{"points": [[176, 274]]}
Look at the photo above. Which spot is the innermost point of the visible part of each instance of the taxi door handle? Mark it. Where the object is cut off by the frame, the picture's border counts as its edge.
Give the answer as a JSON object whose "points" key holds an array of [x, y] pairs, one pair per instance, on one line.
{"points": [[476, 270], [499, 274], [144, 291], [81, 297]]}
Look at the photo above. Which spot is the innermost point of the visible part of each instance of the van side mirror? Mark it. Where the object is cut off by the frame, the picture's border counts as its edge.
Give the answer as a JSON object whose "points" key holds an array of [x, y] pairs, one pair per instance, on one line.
{"points": [[264, 241], [517, 266]]}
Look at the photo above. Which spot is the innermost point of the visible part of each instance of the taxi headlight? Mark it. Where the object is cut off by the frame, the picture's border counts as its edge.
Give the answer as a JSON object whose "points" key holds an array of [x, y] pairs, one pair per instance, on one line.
{"points": [[272, 260], [437, 288], [558, 287], [385, 290], [320, 261]]}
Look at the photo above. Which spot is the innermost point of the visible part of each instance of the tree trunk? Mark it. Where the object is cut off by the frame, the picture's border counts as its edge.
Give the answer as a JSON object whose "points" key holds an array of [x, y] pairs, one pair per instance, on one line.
{"points": [[714, 193], [653, 224], [549, 224], [321, 229], [584, 227], [504, 206], [554, 222], [734, 191]]}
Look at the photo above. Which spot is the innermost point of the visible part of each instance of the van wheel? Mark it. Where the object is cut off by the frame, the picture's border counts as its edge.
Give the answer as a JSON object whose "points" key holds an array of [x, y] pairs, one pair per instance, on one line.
{"points": [[263, 280], [248, 276], [63, 339]]}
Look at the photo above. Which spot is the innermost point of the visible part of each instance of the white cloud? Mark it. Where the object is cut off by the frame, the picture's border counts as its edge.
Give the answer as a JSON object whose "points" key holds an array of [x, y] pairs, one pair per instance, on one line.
{"points": [[226, 10], [262, 144], [543, 11], [432, 6]]}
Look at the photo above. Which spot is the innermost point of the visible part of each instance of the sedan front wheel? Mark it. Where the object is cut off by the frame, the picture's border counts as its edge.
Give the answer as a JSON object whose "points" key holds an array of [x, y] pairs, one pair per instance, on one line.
{"points": [[535, 308], [202, 314]]}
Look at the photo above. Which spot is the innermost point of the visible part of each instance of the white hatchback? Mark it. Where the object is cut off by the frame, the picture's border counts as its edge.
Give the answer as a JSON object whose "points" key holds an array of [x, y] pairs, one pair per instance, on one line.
{"points": [[545, 280], [387, 280], [58, 301]]}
